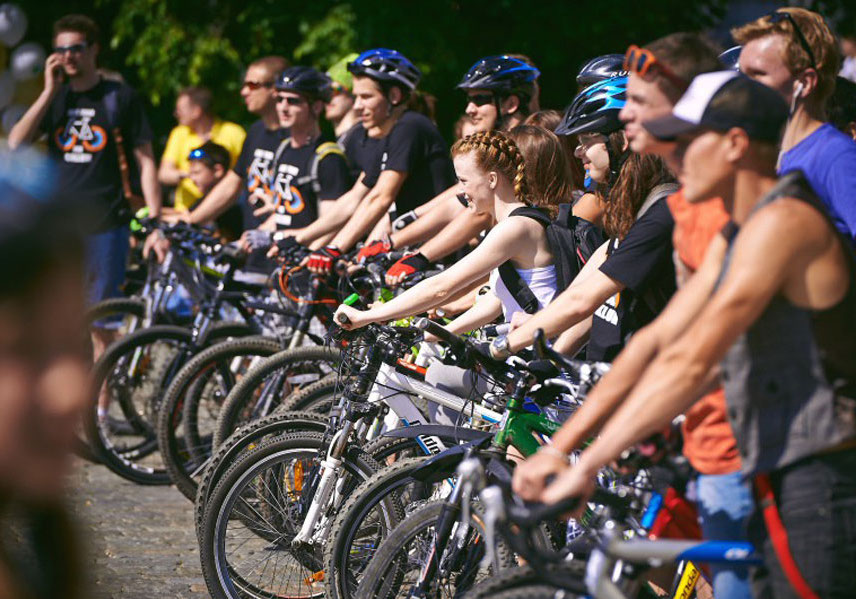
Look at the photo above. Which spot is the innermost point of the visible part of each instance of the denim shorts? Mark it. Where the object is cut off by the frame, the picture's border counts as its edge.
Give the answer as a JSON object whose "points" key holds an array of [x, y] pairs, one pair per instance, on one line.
{"points": [[816, 498], [106, 259], [724, 503]]}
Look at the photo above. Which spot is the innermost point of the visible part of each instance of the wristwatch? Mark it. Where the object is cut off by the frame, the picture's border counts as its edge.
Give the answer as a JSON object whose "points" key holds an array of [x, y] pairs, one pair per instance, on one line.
{"points": [[499, 348]]}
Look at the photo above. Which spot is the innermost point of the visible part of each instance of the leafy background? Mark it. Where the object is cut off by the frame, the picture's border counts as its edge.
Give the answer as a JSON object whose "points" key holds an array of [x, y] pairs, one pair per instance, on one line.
{"points": [[161, 46]]}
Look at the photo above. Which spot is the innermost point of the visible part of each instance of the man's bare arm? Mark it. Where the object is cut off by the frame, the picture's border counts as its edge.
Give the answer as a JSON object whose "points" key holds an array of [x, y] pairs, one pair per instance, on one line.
{"points": [[217, 200], [318, 233], [445, 207], [467, 225], [149, 178], [169, 173], [371, 209], [772, 248]]}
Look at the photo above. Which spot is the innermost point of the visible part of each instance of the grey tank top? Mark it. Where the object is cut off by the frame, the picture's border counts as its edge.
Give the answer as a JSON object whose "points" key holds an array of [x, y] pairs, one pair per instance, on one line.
{"points": [[790, 380]]}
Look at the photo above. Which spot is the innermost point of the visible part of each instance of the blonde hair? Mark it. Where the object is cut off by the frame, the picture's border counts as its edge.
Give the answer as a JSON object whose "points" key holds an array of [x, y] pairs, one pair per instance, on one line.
{"points": [[495, 151], [817, 34]]}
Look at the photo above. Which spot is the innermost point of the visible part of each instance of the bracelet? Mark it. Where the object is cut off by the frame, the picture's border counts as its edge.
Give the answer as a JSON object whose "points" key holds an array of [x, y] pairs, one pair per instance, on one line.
{"points": [[552, 449]]}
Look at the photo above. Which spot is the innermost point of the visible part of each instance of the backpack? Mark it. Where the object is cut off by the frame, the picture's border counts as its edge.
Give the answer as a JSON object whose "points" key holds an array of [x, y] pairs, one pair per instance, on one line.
{"points": [[322, 151], [572, 241]]}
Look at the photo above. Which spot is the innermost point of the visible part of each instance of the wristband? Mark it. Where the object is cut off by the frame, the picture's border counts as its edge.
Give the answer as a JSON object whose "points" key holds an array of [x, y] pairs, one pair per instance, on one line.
{"points": [[499, 348], [402, 221]]}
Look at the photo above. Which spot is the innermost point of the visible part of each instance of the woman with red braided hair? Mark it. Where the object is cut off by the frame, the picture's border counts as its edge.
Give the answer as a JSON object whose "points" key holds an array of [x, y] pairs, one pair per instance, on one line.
{"points": [[491, 172]]}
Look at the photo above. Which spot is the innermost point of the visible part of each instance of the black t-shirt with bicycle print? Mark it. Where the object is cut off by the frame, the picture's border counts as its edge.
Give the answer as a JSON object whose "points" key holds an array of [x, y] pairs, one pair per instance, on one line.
{"points": [[80, 127], [293, 189], [254, 167]]}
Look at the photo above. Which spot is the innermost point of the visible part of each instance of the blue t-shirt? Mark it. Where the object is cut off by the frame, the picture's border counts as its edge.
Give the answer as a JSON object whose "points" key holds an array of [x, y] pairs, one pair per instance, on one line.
{"points": [[828, 159]]}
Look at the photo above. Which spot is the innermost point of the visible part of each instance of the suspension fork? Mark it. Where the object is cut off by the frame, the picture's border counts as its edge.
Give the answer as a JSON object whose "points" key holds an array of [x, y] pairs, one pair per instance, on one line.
{"points": [[332, 463], [329, 470]]}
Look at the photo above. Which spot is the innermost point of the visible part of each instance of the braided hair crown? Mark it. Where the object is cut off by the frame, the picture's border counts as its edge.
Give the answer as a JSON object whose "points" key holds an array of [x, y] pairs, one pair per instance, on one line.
{"points": [[495, 151]]}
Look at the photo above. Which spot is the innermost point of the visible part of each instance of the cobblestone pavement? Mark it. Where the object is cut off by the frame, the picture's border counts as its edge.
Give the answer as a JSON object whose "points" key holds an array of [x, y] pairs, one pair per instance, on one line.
{"points": [[140, 540]]}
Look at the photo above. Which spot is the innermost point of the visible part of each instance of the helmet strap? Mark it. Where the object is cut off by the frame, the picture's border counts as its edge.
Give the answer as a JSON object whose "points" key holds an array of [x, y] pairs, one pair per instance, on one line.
{"points": [[616, 161], [497, 101]]}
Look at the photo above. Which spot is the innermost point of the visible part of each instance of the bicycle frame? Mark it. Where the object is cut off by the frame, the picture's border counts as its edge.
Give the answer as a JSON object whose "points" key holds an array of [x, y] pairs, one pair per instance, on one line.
{"points": [[605, 566]]}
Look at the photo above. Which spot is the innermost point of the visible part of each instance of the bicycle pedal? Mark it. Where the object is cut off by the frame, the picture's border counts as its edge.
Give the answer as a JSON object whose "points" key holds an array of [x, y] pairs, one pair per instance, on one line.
{"points": [[315, 577]]}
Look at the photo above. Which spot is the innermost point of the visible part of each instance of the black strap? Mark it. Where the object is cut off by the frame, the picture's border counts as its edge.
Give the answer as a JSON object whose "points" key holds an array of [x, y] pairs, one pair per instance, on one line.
{"points": [[516, 286]]}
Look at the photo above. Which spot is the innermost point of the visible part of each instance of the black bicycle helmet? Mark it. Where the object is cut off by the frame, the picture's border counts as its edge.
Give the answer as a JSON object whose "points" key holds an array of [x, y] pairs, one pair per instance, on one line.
{"points": [[386, 66], [307, 81], [596, 108], [504, 74], [600, 68]]}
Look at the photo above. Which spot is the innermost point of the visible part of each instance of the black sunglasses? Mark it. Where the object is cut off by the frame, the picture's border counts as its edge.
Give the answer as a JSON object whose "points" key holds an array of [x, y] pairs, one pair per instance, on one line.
{"points": [[73, 48], [290, 100], [480, 99], [778, 17], [254, 85]]}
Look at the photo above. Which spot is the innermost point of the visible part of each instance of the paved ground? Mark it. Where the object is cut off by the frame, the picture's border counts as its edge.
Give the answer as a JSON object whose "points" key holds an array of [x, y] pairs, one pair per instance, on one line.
{"points": [[140, 540]]}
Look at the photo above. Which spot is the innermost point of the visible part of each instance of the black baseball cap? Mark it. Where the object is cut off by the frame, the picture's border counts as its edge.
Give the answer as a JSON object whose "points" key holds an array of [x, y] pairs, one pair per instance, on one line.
{"points": [[721, 100]]}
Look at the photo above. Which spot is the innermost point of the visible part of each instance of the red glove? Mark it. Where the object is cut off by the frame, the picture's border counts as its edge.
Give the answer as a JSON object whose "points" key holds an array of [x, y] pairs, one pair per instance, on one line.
{"points": [[374, 249], [322, 260], [409, 265]]}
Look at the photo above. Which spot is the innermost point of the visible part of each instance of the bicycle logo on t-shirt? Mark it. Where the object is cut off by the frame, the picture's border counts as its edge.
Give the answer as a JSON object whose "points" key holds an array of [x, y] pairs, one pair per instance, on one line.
{"points": [[288, 197], [258, 173], [80, 139]]}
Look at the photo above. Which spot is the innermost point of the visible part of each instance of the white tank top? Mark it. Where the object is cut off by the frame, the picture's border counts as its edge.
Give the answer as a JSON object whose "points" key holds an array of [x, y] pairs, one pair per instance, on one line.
{"points": [[541, 281]]}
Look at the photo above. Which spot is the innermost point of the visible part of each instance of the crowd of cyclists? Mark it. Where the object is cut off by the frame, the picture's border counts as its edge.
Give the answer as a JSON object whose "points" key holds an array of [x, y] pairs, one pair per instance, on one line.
{"points": [[380, 366]]}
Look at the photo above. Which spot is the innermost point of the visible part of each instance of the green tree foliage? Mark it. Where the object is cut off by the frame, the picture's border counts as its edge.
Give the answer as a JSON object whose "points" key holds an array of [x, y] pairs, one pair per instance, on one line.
{"points": [[163, 45]]}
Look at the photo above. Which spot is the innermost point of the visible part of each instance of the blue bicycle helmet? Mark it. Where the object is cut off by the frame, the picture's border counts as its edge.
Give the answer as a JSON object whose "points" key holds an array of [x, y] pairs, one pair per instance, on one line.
{"points": [[600, 68], [504, 74], [307, 81], [386, 66], [596, 108], [730, 58]]}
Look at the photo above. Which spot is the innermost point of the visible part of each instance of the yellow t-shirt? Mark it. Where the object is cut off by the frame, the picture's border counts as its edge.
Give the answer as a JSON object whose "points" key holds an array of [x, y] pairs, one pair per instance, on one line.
{"points": [[179, 145]]}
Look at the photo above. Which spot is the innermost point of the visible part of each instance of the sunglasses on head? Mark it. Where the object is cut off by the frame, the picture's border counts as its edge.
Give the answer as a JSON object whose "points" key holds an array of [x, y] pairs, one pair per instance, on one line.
{"points": [[73, 48], [254, 85], [201, 155], [641, 61], [778, 17], [480, 99], [290, 100]]}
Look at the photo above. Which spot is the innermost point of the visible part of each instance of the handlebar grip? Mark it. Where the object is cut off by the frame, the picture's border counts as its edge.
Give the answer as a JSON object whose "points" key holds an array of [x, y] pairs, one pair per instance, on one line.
{"points": [[534, 513], [342, 318], [435, 329]]}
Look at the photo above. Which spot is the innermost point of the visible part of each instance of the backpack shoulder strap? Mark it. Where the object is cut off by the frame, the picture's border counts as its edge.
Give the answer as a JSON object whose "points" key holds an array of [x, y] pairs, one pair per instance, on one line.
{"points": [[660, 191], [321, 152], [518, 288], [535, 214]]}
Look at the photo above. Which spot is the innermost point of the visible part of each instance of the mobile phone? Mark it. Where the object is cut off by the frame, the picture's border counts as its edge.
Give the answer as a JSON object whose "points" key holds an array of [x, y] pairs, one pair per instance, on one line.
{"points": [[60, 72]]}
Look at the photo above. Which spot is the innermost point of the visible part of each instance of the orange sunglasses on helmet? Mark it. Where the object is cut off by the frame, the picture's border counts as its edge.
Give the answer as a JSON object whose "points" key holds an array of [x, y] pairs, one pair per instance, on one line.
{"points": [[641, 61]]}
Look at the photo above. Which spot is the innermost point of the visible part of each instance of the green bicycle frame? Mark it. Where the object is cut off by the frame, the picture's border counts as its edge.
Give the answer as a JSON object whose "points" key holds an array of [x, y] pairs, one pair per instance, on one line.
{"points": [[517, 426]]}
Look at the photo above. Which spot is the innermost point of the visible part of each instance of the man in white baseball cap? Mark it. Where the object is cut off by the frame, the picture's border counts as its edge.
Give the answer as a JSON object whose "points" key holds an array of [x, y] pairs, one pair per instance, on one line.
{"points": [[773, 315]]}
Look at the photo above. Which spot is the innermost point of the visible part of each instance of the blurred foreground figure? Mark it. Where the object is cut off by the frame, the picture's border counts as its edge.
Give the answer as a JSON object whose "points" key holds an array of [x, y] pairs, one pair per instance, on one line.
{"points": [[43, 383]]}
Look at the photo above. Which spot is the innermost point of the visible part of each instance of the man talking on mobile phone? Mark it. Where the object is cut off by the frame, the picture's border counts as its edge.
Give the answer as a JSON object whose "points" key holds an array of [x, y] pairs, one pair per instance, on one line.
{"points": [[94, 127]]}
